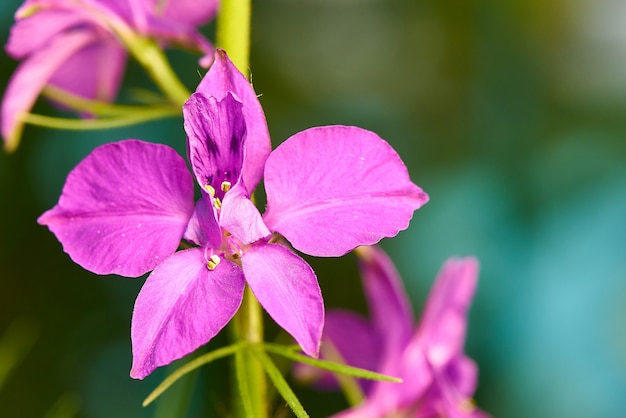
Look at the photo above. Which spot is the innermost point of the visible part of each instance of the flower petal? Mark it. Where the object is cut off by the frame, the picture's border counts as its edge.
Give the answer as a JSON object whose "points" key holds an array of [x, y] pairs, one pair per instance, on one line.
{"points": [[224, 78], [389, 306], [124, 208], [106, 61], [216, 133], [240, 217], [203, 228], [331, 189], [444, 322], [31, 77], [190, 12], [182, 306], [287, 288], [32, 33]]}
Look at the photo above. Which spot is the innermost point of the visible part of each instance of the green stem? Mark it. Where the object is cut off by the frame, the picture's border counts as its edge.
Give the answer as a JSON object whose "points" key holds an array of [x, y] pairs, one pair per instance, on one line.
{"points": [[233, 35], [152, 58], [233, 31], [248, 326]]}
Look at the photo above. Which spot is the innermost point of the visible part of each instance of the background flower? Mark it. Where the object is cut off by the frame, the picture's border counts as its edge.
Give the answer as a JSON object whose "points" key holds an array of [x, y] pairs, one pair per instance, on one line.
{"points": [[438, 378], [74, 46]]}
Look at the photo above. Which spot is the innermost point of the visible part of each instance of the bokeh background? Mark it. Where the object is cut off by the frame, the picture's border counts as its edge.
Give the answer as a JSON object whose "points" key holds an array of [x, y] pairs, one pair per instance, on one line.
{"points": [[510, 114]]}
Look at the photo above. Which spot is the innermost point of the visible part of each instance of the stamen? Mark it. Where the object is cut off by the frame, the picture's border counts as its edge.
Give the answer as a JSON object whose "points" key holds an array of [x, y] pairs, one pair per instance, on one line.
{"points": [[225, 186], [212, 262], [217, 203], [210, 190]]}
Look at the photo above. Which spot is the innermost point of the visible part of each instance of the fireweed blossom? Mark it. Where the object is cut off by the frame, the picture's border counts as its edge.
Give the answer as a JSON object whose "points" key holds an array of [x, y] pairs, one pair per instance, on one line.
{"points": [[438, 378], [70, 44], [125, 208]]}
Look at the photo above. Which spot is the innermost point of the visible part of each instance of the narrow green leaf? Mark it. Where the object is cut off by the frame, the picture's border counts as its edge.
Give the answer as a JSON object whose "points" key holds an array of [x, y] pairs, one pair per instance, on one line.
{"points": [[328, 365], [189, 367], [281, 384]]}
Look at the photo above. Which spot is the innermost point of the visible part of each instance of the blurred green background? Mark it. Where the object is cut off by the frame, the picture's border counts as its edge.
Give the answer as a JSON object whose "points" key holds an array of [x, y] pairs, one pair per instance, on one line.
{"points": [[510, 114]]}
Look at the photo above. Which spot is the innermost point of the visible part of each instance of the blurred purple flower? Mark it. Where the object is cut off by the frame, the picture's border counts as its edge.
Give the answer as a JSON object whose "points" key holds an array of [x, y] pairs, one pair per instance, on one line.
{"points": [[70, 44], [438, 378], [125, 208]]}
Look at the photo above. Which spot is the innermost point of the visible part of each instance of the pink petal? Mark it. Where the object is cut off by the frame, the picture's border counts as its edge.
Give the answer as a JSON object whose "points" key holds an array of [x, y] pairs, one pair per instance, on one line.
{"points": [[190, 12], [287, 288], [331, 189], [444, 322], [182, 306], [241, 218], [224, 78], [31, 77], [462, 373], [389, 306], [106, 60], [216, 134], [203, 228], [33, 33], [124, 208]]}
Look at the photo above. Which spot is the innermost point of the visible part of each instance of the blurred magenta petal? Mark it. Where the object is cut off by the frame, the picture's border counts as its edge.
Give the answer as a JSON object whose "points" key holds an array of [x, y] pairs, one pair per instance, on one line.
{"points": [[389, 306], [103, 79], [439, 380], [31, 34], [224, 78], [30, 78], [331, 189], [287, 288], [443, 325], [189, 12], [120, 212], [182, 306], [216, 134]]}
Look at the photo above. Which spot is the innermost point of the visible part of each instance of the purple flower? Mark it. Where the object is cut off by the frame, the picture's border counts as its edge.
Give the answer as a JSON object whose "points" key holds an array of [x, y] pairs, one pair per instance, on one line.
{"points": [[438, 378], [125, 208], [70, 44]]}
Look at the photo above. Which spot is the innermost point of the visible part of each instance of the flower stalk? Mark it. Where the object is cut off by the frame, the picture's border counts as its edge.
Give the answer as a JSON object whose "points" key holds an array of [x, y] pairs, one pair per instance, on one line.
{"points": [[148, 53], [233, 35], [233, 31]]}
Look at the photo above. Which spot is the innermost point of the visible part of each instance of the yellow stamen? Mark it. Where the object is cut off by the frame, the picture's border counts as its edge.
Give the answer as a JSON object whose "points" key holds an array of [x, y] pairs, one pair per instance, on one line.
{"points": [[210, 190], [212, 262], [225, 186], [217, 203]]}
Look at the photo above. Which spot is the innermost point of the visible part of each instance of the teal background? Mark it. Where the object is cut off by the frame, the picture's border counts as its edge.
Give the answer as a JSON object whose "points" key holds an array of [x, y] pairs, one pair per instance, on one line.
{"points": [[510, 114]]}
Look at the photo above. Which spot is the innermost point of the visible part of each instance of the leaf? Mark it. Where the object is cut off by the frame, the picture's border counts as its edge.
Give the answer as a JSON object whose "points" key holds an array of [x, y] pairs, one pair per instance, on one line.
{"points": [[281, 384], [289, 353], [189, 367]]}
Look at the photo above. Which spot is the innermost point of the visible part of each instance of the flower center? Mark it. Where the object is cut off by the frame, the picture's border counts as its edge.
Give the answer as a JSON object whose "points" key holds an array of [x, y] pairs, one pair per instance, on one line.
{"points": [[231, 249]]}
